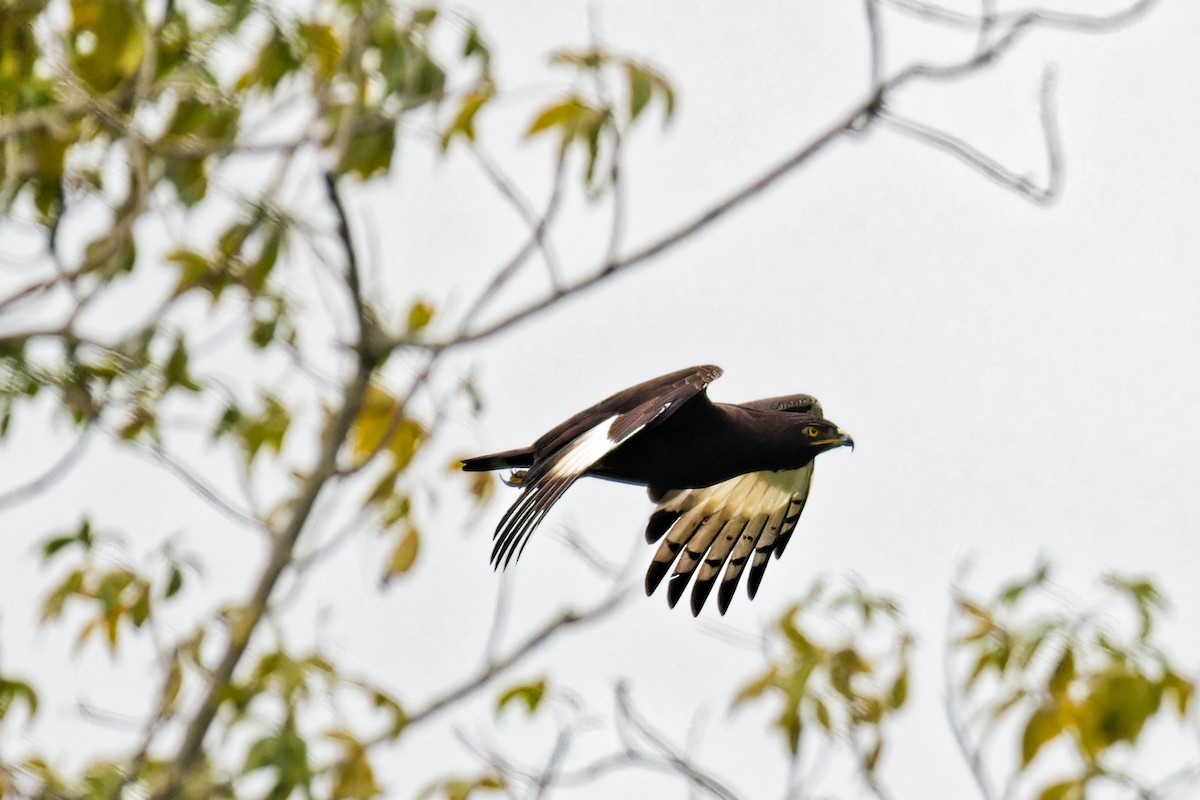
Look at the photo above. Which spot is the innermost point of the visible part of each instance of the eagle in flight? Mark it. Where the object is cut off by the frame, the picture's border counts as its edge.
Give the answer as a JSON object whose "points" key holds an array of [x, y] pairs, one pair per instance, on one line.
{"points": [[729, 480]]}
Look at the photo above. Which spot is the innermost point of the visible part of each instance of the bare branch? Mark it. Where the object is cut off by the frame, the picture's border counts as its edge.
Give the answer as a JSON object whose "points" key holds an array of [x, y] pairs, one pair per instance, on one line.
{"points": [[565, 620], [678, 761], [962, 736], [494, 667], [57, 471], [537, 239], [278, 560], [1087, 23], [195, 484], [875, 36], [857, 119], [545, 779], [352, 270], [538, 225], [986, 165]]}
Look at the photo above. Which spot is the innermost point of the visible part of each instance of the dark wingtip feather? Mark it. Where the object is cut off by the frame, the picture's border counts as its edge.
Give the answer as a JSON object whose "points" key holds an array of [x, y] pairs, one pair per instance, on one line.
{"points": [[659, 523], [755, 578], [676, 587], [700, 593], [654, 575], [725, 595]]}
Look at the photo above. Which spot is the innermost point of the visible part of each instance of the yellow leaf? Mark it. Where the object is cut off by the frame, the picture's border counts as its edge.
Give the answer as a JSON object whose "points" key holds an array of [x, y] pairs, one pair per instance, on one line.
{"points": [[530, 694], [756, 687], [373, 420], [419, 315], [557, 114], [1044, 724], [1064, 790], [404, 554]]}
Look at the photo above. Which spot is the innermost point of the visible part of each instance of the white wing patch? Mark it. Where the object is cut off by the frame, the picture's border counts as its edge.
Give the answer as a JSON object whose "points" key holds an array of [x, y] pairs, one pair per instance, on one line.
{"points": [[545, 483], [729, 524]]}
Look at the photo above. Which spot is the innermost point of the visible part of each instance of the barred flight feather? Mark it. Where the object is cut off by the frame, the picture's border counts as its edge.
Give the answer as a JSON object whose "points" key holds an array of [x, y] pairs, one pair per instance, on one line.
{"points": [[743, 519]]}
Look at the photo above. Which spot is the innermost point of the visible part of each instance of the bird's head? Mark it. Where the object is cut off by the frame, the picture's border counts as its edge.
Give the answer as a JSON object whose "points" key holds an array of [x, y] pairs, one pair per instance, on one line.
{"points": [[820, 434]]}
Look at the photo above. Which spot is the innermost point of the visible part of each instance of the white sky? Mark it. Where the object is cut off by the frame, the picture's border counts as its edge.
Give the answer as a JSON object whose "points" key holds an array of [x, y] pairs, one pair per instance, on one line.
{"points": [[1020, 381]]}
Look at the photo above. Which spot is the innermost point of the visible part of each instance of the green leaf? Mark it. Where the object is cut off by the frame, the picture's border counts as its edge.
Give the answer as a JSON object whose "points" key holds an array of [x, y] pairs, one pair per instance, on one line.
{"points": [[463, 124], [756, 687], [1044, 724], [1116, 707], [1182, 688], [174, 581], [52, 606], [640, 87], [176, 369], [473, 45], [1013, 592], [110, 256], [369, 151], [267, 429], [898, 693], [193, 269], [323, 47], [83, 537], [11, 691], [105, 43], [275, 62], [529, 694]]}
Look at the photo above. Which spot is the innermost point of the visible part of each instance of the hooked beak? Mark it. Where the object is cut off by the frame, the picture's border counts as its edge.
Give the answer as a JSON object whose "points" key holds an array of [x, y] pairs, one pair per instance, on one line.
{"points": [[843, 440]]}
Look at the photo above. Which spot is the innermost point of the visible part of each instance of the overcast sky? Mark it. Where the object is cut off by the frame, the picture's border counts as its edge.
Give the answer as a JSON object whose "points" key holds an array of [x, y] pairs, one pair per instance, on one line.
{"points": [[1020, 381]]}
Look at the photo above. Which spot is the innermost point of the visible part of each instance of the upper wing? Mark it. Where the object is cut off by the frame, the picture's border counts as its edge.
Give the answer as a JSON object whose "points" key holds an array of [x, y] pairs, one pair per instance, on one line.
{"points": [[752, 513], [799, 403], [637, 405], [564, 454]]}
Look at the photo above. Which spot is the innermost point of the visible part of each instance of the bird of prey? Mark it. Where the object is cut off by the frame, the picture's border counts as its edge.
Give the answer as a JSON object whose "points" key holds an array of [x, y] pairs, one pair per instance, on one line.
{"points": [[729, 481]]}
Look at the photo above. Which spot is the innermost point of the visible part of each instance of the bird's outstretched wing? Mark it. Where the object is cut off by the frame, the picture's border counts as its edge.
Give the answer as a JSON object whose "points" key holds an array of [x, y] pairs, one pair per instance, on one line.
{"points": [[565, 454], [743, 519]]}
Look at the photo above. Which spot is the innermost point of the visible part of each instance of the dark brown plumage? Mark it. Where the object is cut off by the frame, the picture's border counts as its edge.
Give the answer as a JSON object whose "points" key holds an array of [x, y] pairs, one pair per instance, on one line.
{"points": [[730, 481]]}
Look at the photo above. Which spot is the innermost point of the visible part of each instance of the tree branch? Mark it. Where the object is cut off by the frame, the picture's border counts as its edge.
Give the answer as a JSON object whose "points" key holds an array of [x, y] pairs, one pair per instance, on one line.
{"points": [[57, 471], [494, 667], [858, 118], [985, 164]]}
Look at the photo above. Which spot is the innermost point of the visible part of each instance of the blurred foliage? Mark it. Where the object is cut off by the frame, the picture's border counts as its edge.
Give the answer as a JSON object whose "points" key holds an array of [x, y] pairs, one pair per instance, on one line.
{"points": [[841, 672], [125, 123], [1083, 682], [528, 695], [122, 119], [113, 594]]}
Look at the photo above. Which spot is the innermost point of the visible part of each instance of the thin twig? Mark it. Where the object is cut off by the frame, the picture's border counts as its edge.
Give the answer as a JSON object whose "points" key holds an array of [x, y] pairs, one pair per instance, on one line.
{"points": [[283, 547], [1019, 26], [363, 344], [987, 166], [700, 779], [962, 736], [538, 224], [1090, 23], [875, 39], [56, 472], [198, 487], [494, 667]]}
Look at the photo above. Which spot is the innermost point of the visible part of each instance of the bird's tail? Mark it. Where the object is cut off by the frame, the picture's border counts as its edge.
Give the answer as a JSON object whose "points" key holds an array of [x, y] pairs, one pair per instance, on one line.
{"points": [[506, 460]]}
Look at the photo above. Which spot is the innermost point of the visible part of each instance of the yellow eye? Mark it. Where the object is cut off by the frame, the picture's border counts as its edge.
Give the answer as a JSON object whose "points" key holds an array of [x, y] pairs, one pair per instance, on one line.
{"points": [[813, 431]]}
